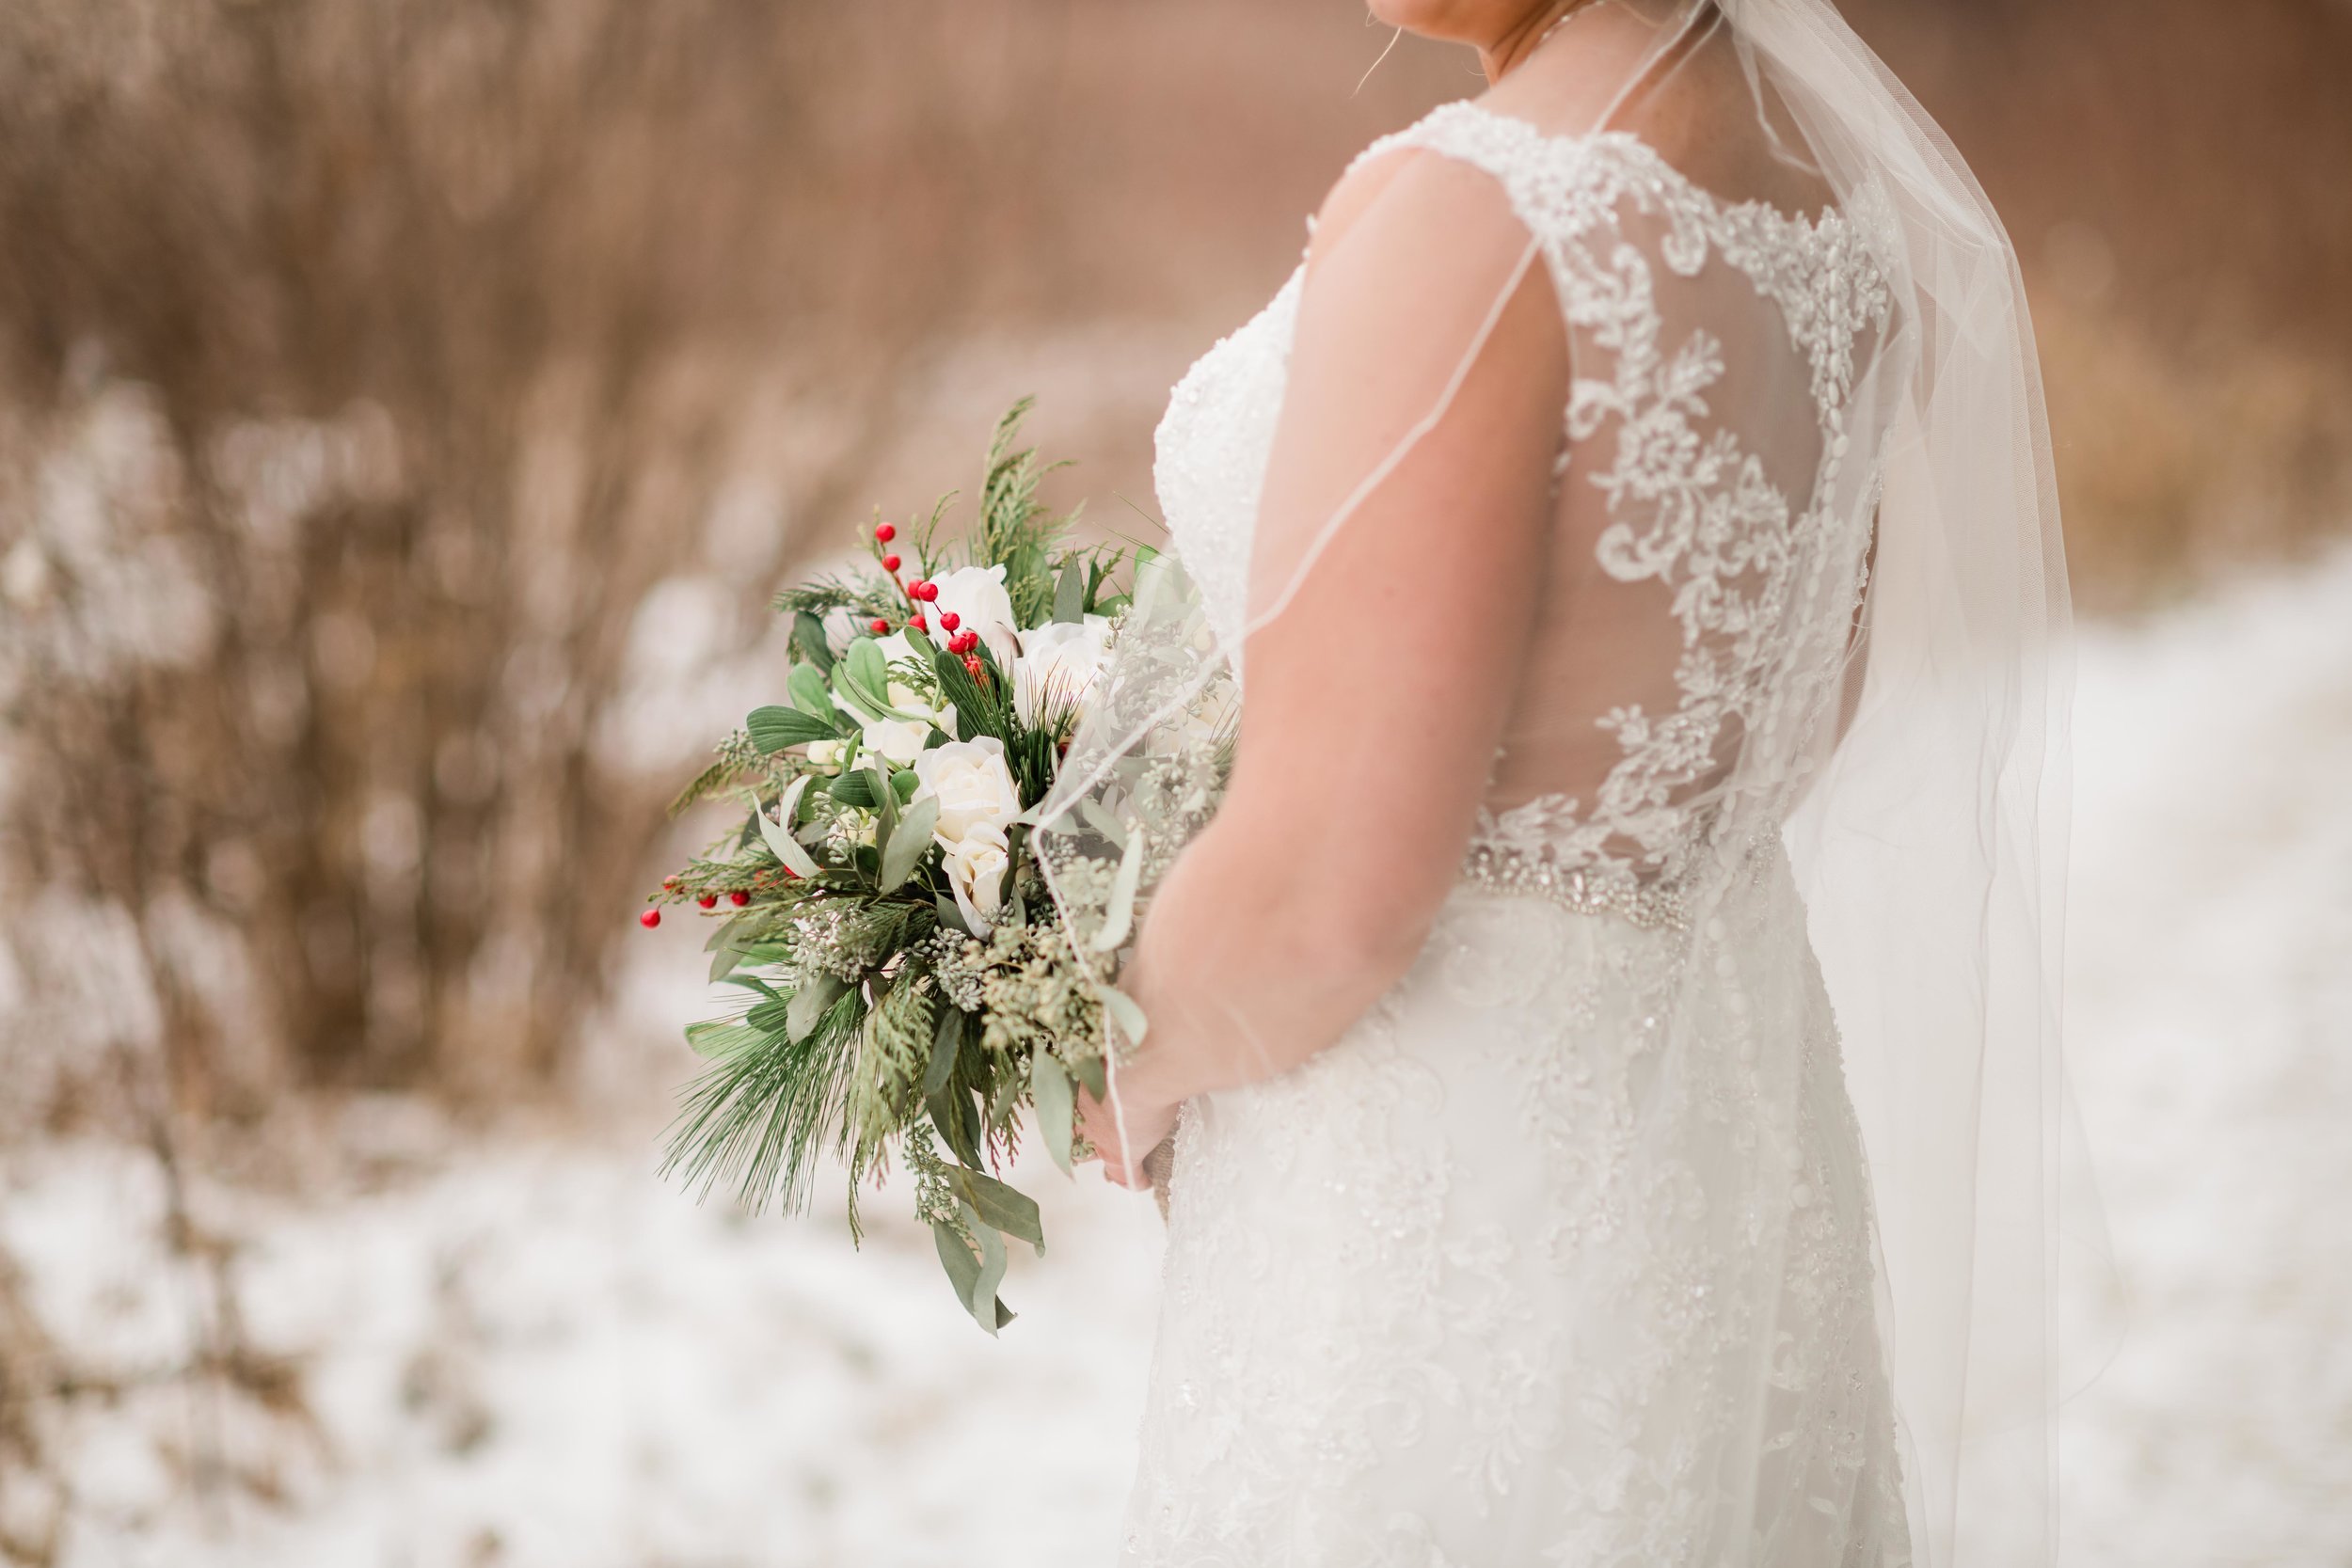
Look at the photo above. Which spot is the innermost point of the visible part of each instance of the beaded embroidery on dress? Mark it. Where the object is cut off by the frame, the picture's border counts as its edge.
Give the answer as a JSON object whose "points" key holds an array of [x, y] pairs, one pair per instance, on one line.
{"points": [[1490, 1282]]}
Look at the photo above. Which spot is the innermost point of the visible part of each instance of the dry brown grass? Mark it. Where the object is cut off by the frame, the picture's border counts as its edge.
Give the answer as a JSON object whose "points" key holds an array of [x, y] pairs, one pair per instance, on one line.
{"points": [[2174, 174]]}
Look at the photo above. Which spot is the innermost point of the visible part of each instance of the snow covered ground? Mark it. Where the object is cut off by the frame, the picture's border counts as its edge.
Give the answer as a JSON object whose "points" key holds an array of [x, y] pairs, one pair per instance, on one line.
{"points": [[541, 1355]]}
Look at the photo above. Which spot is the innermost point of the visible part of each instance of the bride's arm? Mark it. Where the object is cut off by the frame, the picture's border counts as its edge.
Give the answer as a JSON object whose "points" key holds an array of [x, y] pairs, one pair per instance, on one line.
{"points": [[1376, 698]]}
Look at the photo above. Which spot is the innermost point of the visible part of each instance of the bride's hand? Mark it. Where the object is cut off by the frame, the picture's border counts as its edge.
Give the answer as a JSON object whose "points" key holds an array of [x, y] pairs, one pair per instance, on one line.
{"points": [[1145, 1125]]}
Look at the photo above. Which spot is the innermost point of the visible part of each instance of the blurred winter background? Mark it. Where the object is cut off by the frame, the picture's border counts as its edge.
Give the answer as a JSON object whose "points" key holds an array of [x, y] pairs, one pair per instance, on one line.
{"points": [[405, 409]]}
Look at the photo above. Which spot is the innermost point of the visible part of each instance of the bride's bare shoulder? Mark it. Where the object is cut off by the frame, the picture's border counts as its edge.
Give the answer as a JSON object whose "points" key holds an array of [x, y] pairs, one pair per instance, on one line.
{"points": [[1409, 190]]}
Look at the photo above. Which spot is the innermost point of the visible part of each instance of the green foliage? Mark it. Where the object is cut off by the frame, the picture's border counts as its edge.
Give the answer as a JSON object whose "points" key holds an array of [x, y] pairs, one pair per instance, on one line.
{"points": [[758, 1116], [773, 729], [1018, 531], [875, 1024], [892, 1061]]}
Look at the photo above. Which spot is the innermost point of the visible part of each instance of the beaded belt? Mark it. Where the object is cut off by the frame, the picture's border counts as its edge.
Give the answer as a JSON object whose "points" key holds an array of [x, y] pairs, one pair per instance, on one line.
{"points": [[1658, 907]]}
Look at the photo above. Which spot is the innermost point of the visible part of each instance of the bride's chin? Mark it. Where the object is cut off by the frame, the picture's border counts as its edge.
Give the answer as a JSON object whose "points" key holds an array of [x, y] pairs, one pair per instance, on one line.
{"points": [[1478, 22], [1428, 17]]}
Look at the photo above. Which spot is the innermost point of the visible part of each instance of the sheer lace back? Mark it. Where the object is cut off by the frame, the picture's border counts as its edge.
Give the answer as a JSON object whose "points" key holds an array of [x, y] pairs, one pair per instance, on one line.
{"points": [[1709, 553]]}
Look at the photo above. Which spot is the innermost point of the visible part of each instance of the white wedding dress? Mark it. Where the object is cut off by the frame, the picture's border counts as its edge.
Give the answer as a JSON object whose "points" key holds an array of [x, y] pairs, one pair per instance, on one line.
{"points": [[1502, 1279]]}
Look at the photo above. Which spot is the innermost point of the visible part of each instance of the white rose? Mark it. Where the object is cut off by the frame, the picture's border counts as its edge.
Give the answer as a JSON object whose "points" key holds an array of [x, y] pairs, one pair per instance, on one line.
{"points": [[1215, 713], [899, 739], [973, 788], [975, 596], [976, 870], [1058, 666], [977, 805], [825, 755]]}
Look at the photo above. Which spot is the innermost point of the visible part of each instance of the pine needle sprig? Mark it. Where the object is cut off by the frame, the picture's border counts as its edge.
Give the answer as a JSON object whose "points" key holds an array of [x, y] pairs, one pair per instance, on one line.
{"points": [[736, 760], [1016, 528], [861, 595], [759, 1117]]}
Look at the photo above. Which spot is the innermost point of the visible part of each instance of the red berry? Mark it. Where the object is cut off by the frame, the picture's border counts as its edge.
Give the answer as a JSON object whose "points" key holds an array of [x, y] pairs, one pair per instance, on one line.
{"points": [[649, 919], [890, 564], [970, 640], [738, 898], [948, 620], [972, 665], [917, 623], [885, 533], [709, 900], [881, 627], [926, 591]]}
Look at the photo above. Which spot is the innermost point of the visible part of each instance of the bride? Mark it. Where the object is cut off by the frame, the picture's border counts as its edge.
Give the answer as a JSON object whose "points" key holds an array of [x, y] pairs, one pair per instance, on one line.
{"points": [[1607, 1025]]}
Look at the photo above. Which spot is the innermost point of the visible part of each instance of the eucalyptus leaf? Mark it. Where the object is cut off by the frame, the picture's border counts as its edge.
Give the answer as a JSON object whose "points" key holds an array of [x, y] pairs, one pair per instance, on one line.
{"points": [[1098, 817], [1089, 1073], [811, 695], [958, 1122], [1000, 1206], [951, 916], [855, 788], [1125, 1014], [1118, 914], [910, 841], [776, 831], [1070, 592], [947, 1040], [1012, 908], [724, 958], [1056, 1107], [886, 807], [984, 1300], [808, 635], [817, 994], [772, 1017], [866, 674], [964, 1272], [775, 728]]}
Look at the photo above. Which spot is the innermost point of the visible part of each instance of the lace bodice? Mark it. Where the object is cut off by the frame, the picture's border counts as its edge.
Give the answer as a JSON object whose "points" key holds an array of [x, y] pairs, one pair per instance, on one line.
{"points": [[1739, 533]]}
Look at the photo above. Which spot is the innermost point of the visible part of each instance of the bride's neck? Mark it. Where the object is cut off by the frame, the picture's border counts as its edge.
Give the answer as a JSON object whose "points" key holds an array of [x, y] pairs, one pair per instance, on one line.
{"points": [[1500, 56]]}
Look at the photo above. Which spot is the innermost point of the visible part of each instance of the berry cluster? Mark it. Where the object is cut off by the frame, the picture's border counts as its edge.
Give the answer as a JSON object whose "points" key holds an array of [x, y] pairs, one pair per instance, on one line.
{"points": [[920, 593], [651, 918]]}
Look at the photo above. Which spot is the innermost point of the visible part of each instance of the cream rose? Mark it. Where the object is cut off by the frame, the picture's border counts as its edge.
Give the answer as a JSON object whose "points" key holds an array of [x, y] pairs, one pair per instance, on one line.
{"points": [[899, 739], [977, 805], [1058, 666], [975, 598], [976, 870]]}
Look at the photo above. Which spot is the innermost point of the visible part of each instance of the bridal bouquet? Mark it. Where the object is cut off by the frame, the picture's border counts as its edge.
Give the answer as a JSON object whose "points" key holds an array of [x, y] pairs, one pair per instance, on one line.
{"points": [[908, 987]]}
